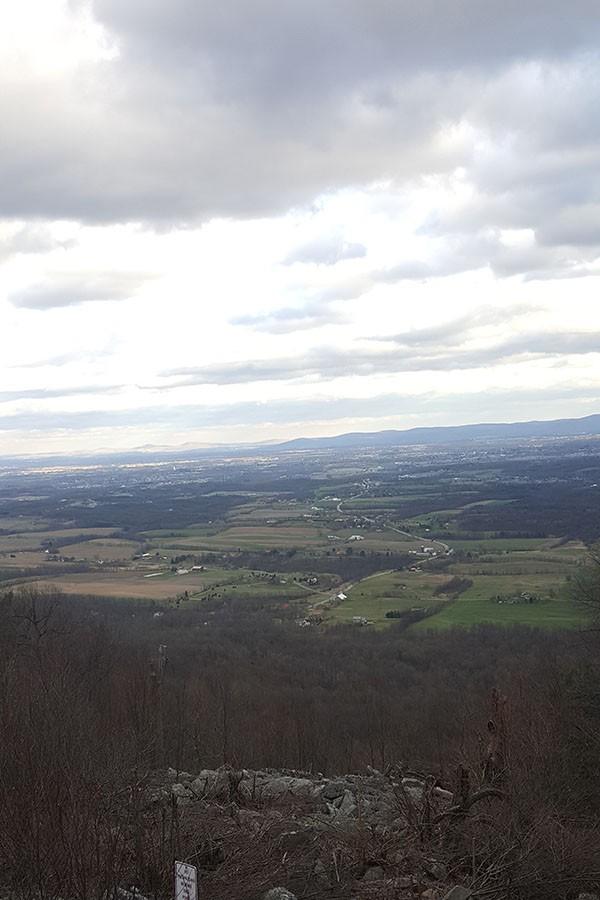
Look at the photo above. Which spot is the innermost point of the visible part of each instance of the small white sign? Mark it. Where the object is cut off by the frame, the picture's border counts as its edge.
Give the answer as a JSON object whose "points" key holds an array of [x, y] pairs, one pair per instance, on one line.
{"points": [[186, 881]]}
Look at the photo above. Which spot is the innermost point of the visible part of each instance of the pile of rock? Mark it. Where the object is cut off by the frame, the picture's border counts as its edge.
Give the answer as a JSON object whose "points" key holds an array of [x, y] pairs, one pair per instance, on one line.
{"points": [[370, 836], [377, 800]]}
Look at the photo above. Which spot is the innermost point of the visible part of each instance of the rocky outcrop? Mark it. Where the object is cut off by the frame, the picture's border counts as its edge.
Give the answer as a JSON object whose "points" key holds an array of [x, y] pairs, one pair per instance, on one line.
{"points": [[378, 801], [315, 824]]}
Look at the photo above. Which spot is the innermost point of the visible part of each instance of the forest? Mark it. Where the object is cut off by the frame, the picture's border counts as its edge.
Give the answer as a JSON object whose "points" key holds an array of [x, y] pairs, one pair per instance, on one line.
{"points": [[99, 697]]}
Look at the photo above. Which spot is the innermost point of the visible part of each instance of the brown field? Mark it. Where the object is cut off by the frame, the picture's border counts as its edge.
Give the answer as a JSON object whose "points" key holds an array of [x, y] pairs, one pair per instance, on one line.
{"points": [[299, 536], [134, 585]]}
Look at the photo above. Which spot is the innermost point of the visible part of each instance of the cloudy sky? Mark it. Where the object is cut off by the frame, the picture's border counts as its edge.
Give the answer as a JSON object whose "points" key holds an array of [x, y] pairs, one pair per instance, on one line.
{"points": [[258, 219]]}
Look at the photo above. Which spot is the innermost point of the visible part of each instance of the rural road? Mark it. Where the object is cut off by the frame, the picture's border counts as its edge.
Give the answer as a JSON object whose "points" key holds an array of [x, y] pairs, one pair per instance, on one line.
{"points": [[414, 537]]}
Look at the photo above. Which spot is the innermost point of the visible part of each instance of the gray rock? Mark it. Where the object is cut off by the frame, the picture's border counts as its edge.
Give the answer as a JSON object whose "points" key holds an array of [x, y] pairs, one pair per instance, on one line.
{"points": [[211, 784], [347, 805], [178, 776], [333, 790], [375, 873], [277, 787], [182, 793], [414, 788], [279, 893], [586, 896], [458, 893]]}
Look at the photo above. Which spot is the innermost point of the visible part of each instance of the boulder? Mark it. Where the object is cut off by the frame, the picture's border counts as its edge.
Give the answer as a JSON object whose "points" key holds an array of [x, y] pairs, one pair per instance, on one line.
{"points": [[211, 784], [332, 790], [347, 805], [414, 788], [273, 787], [182, 794]]}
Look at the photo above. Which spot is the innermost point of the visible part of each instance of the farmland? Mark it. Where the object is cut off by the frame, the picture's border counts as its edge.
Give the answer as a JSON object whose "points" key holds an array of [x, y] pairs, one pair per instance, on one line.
{"points": [[393, 532]]}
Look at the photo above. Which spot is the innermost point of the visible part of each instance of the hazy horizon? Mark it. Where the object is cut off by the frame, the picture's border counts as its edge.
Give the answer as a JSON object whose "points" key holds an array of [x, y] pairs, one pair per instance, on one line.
{"points": [[283, 439]]}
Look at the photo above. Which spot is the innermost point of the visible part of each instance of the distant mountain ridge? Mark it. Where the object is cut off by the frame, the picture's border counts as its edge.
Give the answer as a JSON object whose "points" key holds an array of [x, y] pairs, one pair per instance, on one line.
{"points": [[586, 426]]}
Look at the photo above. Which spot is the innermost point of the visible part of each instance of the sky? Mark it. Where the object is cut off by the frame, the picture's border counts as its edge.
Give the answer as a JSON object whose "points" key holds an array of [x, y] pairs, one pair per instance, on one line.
{"points": [[254, 220]]}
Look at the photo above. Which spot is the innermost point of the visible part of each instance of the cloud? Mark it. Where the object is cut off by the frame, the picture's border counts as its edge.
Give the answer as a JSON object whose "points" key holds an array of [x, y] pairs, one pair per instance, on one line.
{"points": [[58, 393], [61, 359], [479, 250], [294, 318], [251, 109], [317, 309], [459, 330], [30, 238], [573, 226], [329, 363], [74, 289], [407, 409], [326, 251]]}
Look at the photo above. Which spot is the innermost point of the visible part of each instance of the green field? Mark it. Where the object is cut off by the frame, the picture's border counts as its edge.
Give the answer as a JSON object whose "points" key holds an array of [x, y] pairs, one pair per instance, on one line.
{"points": [[508, 574], [374, 596], [466, 611], [498, 545]]}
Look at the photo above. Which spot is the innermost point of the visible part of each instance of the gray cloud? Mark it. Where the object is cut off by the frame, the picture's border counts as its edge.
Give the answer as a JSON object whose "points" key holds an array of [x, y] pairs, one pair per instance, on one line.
{"points": [[329, 363], [249, 109], [459, 330], [270, 43], [31, 239], [294, 318], [317, 308], [574, 226], [417, 409], [326, 251], [57, 393], [484, 250], [73, 289]]}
